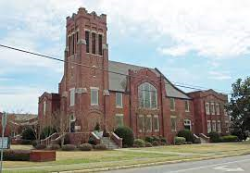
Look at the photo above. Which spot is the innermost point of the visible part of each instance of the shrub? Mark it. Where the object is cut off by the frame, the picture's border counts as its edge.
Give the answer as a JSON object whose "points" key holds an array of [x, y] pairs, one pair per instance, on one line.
{"points": [[187, 134], [47, 131], [34, 143], [85, 147], [214, 137], [149, 139], [240, 134], [28, 134], [156, 143], [148, 144], [97, 127], [92, 141], [179, 140], [100, 147], [229, 138], [156, 138], [54, 147], [68, 147], [163, 141], [16, 155], [126, 134], [139, 143], [40, 146]]}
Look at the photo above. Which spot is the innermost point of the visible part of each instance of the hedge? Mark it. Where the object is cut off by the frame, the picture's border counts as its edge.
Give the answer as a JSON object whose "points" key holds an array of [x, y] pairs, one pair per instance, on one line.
{"points": [[229, 138], [100, 147], [16, 155], [68, 147], [85, 147], [139, 143], [187, 134], [179, 140], [148, 144], [127, 136], [54, 147], [214, 137]]}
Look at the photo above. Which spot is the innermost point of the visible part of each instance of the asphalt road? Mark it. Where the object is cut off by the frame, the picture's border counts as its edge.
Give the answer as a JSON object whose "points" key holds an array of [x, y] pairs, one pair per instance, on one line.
{"points": [[236, 164]]}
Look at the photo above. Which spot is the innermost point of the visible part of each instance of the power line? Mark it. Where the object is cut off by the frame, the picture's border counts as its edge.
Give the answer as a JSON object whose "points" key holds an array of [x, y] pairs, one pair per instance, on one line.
{"points": [[187, 86]]}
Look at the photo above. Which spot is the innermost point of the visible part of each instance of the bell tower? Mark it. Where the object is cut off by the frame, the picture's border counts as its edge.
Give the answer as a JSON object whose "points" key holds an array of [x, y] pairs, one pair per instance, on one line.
{"points": [[86, 65]]}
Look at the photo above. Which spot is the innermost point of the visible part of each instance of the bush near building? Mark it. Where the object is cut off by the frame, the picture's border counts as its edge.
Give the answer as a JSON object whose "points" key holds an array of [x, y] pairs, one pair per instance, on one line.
{"points": [[100, 147], [28, 135], [127, 136], [85, 147], [16, 155], [229, 138], [68, 147], [139, 143], [179, 140], [54, 147], [214, 137], [187, 134]]}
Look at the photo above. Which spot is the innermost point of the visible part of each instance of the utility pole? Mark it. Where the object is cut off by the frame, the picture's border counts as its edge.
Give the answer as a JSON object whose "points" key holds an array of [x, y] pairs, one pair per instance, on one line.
{"points": [[4, 123]]}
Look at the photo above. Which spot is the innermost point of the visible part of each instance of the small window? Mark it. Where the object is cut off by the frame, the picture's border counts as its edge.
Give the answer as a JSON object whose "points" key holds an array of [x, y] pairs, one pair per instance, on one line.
{"points": [[209, 126], [141, 123], [172, 104], [187, 124], [87, 41], [218, 126], [186, 105], [149, 123], [214, 126], [94, 43], [207, 108], [119, 100], [217, 109], [173, 124], [100, 44], [44, 108], [212, 109], [119, 120], [156, 123], [94, 96], [72, 96]]}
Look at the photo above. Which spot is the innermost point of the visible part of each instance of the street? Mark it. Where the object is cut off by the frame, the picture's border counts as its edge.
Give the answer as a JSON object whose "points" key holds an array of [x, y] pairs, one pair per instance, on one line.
{"points": [[230, 164]]}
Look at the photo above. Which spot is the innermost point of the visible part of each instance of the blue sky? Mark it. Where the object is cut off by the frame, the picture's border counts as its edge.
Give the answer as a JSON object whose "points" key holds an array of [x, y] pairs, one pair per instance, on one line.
{"points": [[204, 43]]}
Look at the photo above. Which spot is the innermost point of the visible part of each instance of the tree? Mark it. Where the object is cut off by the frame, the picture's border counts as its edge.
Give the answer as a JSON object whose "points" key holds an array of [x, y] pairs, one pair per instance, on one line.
{"points": [[61, 123], [239, 107]]}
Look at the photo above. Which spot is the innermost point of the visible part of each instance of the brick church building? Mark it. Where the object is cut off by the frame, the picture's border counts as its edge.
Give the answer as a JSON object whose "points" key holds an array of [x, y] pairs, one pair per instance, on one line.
{"points": [[95, 90]]}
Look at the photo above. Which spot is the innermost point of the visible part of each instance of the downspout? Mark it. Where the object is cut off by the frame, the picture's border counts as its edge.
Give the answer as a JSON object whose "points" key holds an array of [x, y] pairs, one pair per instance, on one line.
{"points": [[163, 129]]}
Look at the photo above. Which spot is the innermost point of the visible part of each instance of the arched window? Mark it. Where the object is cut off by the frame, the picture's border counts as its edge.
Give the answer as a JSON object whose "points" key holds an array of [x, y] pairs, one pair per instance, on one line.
{"points": [[147, 94]]}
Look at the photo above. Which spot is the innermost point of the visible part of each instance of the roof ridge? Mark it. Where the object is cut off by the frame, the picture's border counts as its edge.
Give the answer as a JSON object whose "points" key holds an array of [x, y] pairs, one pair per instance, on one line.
{"points": [[130, 64]]}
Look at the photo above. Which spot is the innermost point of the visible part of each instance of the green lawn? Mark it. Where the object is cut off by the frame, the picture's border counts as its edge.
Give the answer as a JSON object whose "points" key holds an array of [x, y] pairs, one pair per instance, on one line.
{"points": [[128, 157]]}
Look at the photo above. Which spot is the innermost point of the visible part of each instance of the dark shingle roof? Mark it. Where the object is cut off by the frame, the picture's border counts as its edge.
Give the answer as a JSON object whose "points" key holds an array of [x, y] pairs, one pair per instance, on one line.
{"points": [[117, 82]]}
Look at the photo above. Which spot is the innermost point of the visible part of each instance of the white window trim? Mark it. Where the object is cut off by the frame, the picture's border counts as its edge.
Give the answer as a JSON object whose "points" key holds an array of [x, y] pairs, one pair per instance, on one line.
{"points": [[141, 116], [188, 122], [120, 115], [210, 129], [173, 104], [188, 110], [72, 96], [44, 107], [119, 106], [218, 129], [151, 129], [214, 122], [207, 105], [97, 99], [217, 105], [158, 123], [173, 117], [212, 108]]}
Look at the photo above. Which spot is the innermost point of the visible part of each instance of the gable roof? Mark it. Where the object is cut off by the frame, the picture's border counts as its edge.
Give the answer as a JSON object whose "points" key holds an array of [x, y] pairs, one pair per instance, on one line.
{"points": [[117, 82]]}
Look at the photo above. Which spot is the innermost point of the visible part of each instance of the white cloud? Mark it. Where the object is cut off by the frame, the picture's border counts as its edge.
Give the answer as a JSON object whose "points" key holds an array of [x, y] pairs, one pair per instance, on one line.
{"points": [[224, 75], [213, 28], [22, 98]]}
